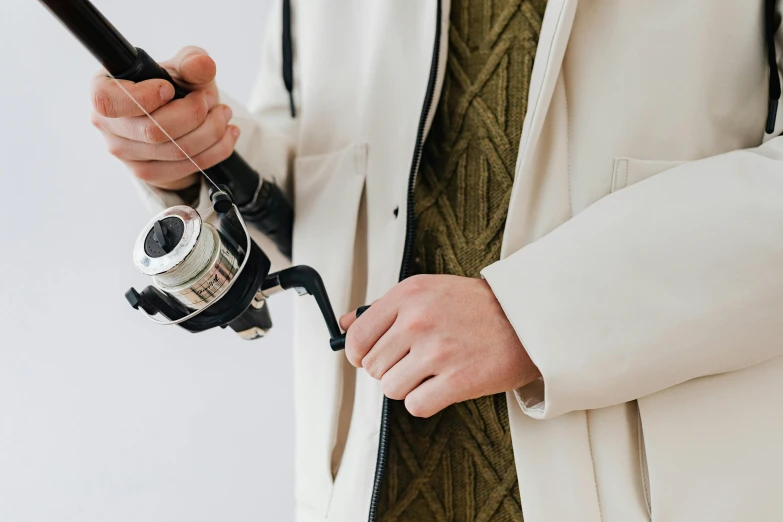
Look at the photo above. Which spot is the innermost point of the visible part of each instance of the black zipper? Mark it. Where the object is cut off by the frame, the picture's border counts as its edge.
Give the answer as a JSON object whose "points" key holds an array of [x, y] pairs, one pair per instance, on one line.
{"points": [[410, 231]]}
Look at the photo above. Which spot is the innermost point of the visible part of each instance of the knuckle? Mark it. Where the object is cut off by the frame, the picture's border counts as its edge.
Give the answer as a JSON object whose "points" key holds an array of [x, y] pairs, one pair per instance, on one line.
{"points": [[355, 337], [463, 379], [117, 150], [353, 349], [148, 100], [95, 120], [180, 153], [217, 128], [103, 103], [416, 407], [191, 49], [391, 389], [226, 148], [152, 134], [437, 356], [414, 284], [353, 356], [370, 365], [144, 173], [417, 323], [200, 110]]}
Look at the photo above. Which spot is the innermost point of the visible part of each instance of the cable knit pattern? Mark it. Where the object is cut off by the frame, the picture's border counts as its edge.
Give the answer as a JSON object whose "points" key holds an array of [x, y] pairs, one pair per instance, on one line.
{"points": [[459, 464]]}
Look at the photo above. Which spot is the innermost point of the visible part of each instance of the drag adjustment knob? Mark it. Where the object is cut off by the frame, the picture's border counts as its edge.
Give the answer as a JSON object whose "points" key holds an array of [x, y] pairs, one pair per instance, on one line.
{"points": [[164, 235], [159, 235]]}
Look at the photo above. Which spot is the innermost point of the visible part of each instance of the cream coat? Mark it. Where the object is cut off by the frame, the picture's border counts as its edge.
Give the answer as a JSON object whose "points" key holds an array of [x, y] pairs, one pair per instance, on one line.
{"points": [[641, 262]]}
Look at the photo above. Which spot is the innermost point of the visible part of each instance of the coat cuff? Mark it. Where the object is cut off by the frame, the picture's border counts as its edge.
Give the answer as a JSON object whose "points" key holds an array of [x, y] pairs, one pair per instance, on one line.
{"points": [[535, 398], [158, 199]]}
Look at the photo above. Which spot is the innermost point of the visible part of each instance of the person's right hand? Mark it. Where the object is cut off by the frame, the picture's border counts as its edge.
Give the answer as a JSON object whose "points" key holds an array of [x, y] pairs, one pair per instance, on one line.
{"points": [[197, 122]]}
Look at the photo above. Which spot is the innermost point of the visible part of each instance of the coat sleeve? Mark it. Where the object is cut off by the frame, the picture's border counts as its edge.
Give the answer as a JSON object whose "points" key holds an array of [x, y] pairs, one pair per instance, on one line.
{"points": [[268, 133], [677, 277]]}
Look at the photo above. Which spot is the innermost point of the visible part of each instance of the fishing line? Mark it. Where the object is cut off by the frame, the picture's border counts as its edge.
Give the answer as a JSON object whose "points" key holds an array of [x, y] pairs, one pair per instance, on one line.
{"points": [[199, 283], [158, 125], [210, 269]]}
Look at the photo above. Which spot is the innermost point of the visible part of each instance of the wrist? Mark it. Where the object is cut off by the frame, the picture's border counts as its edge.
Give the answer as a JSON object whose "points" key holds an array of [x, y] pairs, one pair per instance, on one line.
{"points": [[180, 184]]}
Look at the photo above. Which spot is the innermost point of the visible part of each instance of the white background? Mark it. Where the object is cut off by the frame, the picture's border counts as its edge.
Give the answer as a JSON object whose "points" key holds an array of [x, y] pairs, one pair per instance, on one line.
{"points": [[105, 416]]}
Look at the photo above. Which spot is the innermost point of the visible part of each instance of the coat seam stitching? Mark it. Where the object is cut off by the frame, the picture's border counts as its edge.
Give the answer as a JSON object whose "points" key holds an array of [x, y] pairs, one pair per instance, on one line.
{"points": [[568, 144], [625, 172], [643, 460], [592, 459], [615, 174]]}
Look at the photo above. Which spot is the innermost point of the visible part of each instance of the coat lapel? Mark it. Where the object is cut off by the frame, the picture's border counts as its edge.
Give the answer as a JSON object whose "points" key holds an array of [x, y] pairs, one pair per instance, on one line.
{"points": [[553, 40]]}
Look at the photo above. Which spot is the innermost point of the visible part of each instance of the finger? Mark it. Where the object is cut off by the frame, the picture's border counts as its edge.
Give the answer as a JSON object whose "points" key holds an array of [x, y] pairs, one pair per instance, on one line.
{"points": [[178, 118], [390, 348], [193, 66], [365, 331], [109, 100], [404, 377], [165, 174], [194, 143], [348, 319], [431, 396]]}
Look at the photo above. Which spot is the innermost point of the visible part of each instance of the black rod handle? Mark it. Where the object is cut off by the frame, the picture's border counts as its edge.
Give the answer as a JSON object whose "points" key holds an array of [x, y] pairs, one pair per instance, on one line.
{"points": [[95, 32], [233, 172]]}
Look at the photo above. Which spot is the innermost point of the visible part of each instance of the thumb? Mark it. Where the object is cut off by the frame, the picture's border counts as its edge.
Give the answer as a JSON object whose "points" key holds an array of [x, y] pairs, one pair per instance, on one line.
{"points": [[193, 66]]}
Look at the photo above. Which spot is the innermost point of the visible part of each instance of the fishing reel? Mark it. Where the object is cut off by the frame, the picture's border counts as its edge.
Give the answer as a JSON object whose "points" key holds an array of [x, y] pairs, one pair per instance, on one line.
{"points": [[207, 276], [204, 276]]}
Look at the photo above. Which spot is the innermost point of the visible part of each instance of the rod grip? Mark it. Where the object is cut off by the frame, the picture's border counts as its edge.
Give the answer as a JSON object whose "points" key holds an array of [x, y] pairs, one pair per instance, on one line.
{"points": [[265, 206], [126, 62], [241, 180]]}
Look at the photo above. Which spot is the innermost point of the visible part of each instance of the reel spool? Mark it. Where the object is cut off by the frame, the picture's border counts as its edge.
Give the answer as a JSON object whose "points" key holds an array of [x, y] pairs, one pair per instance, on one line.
{"points": [[186, 258], [206, 276]]}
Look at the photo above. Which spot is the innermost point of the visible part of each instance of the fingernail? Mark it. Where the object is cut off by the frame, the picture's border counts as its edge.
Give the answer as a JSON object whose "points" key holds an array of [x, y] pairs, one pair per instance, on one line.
{"points": [[166, 91], [211, 99], [227, 112], [235, 131]]}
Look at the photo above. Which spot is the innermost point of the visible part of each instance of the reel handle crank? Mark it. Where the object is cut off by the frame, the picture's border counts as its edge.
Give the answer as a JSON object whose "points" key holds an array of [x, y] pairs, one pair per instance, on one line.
{"points": [[307, 281], [338, 343]]}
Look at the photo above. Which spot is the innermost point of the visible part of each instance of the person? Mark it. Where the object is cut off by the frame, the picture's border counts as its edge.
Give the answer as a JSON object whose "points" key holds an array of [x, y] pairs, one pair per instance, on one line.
{"points": [[567, 216]]}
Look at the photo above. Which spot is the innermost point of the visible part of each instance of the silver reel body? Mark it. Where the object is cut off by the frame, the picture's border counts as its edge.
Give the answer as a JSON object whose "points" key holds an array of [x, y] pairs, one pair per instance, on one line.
{"points": [[199, 266]]}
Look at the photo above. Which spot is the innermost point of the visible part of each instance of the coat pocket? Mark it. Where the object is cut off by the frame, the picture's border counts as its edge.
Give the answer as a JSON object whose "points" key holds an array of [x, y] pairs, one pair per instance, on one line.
{"points": [[643, 462], [711, 448], [327, 193], [628, 171]]}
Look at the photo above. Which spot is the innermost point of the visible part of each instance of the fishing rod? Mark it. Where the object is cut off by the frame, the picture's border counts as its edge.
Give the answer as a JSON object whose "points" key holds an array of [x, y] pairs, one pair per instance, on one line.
{"points": [[262, 203], [204, 275]]}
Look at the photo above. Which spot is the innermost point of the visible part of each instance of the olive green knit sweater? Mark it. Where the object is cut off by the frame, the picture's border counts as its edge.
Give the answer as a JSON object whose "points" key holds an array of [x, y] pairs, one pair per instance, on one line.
{"points": [[458, 465]]}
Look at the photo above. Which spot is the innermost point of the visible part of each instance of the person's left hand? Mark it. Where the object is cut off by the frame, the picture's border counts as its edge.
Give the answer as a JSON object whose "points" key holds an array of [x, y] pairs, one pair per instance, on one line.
{"points": [[435, 340]]}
